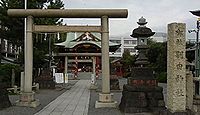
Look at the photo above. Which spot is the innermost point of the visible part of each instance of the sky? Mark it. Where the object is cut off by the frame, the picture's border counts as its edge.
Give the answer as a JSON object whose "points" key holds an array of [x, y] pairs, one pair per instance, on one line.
{"points": [[158, 13]]}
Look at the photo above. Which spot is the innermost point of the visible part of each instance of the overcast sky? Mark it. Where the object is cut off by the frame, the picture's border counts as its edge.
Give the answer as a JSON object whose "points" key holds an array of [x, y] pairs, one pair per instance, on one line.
{"points": [[158, 13]]}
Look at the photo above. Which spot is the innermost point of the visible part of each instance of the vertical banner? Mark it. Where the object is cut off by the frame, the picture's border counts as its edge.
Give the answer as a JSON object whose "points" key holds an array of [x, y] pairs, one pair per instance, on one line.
{"points": [[66, 78], [59, 78]]}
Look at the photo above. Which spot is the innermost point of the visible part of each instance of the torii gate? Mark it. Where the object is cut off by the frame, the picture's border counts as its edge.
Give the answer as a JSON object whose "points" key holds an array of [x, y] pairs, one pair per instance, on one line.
{"points": [[105, 97]]}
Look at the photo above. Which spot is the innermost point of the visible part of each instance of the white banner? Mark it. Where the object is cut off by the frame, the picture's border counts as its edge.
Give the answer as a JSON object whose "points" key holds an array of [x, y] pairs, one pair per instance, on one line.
{"points": [[59, 77], [66, 78]]}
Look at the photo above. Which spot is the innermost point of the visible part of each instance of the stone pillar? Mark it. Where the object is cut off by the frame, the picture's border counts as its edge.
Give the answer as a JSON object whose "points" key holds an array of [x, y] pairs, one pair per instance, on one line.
{"points": [[66, 64], [93, 84], [13, 78], [76, 68], [97, 73], [105, 55], [105, 98], [28, 56], [189, 90], [176, 68], [94, 65], [22, 82], [66, 68], [27, 96]]}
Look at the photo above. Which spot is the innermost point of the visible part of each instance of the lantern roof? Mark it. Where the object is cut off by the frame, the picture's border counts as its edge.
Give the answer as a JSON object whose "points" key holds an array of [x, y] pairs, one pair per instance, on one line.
{"points": [[142, 30]]}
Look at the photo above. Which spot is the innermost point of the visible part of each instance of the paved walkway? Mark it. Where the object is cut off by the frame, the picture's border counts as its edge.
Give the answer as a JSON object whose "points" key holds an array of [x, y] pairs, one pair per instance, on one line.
{"points": [[72, 102]]}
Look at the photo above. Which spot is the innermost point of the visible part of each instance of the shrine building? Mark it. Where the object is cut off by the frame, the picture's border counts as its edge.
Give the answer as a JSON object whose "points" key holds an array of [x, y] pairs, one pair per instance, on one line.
{"points": [[82, 52]]}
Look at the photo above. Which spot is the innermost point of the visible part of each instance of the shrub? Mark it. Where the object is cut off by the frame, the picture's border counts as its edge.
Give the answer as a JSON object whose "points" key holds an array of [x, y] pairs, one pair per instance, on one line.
{"points": [[162, 77], [6, 73]]}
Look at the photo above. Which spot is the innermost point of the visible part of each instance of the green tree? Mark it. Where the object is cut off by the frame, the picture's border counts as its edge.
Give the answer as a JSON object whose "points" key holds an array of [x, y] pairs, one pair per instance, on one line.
{"points": [[157, 56], [13, 28], [128, 62]]}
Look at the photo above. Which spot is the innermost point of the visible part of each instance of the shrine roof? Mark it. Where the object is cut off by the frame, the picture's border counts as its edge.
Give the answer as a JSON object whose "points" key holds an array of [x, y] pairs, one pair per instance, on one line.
{"points": [[74, 39], [196, 12]]}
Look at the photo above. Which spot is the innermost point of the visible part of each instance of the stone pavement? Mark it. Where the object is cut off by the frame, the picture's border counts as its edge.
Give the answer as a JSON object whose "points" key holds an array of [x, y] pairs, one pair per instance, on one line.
{"points": [[78, 100], [72, 102]]}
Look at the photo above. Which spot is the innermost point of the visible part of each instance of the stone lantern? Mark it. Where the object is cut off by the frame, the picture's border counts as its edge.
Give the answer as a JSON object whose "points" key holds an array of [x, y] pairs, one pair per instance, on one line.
{"points": [[142, 33], [142, 93]]}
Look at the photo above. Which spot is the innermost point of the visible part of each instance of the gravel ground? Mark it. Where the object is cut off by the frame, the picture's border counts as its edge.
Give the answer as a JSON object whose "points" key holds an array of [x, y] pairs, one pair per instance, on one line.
{"points": [[44, 95]]}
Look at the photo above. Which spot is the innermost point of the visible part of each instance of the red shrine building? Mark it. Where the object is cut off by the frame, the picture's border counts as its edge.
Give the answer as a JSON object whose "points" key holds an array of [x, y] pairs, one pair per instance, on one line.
{"points": [[81, 52]]}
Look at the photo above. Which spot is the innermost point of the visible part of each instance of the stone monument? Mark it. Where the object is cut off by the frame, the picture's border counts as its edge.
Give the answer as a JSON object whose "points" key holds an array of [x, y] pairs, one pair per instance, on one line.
{"points": [[176, 69], [46, 80], [141, 93]]}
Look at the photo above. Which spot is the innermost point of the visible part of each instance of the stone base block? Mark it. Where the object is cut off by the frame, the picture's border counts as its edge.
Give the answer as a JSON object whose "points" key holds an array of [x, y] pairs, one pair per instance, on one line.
{"points": [[106, 97], [93, 87], [105, 100], [99, 104], [141, 99], [28, 100], [168, 112]]}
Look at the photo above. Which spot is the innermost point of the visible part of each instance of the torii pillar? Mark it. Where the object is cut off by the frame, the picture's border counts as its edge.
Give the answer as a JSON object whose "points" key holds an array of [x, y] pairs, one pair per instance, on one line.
{"points": [[27, 96], [105, 98]]}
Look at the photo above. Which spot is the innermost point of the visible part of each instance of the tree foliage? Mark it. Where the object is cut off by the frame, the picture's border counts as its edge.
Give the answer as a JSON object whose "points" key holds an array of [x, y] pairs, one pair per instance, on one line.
{"points": [[12, 29], [128, 62], [6, 73], [157, 55]]}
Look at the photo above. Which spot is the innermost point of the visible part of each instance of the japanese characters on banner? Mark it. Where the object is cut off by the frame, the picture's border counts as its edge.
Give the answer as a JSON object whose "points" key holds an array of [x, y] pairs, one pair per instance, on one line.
{"points": [[61, 78]]}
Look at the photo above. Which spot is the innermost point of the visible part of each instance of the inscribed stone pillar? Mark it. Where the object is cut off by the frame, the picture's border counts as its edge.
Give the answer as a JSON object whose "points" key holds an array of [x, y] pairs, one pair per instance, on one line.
{"points": [[66, 64], [22, 82], [93, 84], [176, 68], [13, 78], [93, 65], [66, 69], [189, 90]]}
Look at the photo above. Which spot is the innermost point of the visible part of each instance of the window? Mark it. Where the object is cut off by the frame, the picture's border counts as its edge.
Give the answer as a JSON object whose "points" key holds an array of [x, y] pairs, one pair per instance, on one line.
{"points": [[126, 41], [130, 42], [134, 42]]}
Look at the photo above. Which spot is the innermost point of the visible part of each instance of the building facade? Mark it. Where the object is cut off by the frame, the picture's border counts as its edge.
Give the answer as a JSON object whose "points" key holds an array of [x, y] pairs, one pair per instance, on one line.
{"points": [[81, 51], [127, 43], [159, 37], [9, 52]]}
